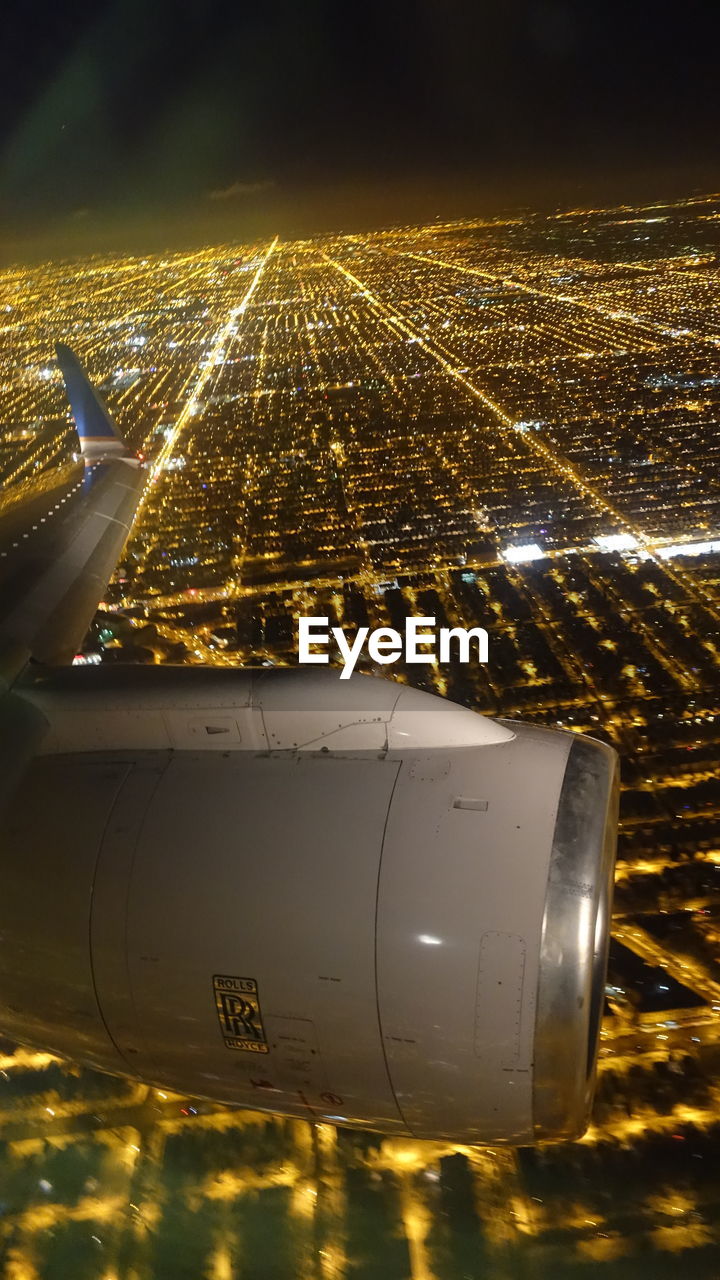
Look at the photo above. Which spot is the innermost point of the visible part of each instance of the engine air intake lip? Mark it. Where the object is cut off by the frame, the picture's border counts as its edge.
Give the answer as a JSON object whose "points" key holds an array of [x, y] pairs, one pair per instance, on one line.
{"points": [[574, 945]]}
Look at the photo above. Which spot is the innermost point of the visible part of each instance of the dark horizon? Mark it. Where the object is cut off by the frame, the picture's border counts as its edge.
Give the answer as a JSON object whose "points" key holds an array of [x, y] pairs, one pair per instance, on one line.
{"points": [[344, 210], [133, 127]]}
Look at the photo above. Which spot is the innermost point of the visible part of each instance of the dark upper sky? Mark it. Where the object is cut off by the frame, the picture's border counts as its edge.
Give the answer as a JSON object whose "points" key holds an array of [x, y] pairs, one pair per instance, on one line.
{"points": [[176, 120]]}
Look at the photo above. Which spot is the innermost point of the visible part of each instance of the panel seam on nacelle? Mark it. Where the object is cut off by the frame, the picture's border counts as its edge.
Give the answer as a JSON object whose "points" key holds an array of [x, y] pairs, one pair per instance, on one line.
{"points": [[101, 843], [377, 988]]}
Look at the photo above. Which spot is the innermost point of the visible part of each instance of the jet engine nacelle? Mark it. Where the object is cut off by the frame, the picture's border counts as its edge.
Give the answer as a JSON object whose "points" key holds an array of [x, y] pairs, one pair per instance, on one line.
{"points": [[348, 901]]}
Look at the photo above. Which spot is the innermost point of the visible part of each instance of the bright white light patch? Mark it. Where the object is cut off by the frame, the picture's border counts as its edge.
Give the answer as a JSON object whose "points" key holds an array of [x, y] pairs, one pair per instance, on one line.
{"points": [[688, 549], [519, 555], [429, 941], [616, 542]]}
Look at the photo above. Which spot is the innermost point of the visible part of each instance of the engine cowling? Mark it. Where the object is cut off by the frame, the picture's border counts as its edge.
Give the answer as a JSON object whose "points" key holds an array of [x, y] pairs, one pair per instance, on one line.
{"points": [[348, 901]]}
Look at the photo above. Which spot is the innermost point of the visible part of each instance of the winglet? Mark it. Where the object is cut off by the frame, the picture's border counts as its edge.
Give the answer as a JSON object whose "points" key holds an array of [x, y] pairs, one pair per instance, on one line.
{"points": [[99, 437]]}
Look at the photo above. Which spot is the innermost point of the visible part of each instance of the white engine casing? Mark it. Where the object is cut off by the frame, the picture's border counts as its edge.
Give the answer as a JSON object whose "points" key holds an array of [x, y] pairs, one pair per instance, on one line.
{"points": [[416, 897]]}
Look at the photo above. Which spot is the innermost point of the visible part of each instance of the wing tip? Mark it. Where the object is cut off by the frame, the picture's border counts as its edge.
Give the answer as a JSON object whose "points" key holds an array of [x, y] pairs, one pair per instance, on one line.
{"points": [[66, 357]]}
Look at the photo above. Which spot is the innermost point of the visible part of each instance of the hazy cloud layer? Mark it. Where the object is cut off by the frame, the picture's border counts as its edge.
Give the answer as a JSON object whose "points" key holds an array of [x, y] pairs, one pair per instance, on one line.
{"points": [[238, 189]]}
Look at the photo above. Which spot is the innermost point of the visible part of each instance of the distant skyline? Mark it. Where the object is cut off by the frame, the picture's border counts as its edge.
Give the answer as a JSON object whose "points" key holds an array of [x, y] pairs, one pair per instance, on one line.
{"points": [[128, 125], [346, 210]]}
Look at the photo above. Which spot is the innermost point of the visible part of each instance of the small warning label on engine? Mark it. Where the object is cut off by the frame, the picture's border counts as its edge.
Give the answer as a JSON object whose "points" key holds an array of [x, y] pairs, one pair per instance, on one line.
{"points": [[238, 1006]]}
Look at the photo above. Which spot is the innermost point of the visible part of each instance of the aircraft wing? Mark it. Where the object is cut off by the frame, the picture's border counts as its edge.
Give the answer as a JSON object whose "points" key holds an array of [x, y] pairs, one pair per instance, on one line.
{"points": [[59, 549]]}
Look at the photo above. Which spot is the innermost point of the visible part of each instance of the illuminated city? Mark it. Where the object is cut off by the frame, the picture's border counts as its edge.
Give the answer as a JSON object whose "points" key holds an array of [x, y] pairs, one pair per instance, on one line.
{"points": [[505, 422]]}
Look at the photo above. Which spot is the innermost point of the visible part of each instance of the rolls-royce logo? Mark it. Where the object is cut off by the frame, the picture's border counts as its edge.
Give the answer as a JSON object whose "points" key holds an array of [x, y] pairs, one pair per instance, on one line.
{"points": [[238, 1007]]}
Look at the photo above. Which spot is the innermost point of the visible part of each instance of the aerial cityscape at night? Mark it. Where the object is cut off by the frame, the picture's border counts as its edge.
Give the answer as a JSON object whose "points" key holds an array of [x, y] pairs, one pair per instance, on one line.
{"points": [[507, 422]]}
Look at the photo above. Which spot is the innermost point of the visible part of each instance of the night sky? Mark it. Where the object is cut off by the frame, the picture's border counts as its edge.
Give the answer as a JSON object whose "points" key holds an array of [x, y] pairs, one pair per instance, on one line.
{"points": [[178, 121]]}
